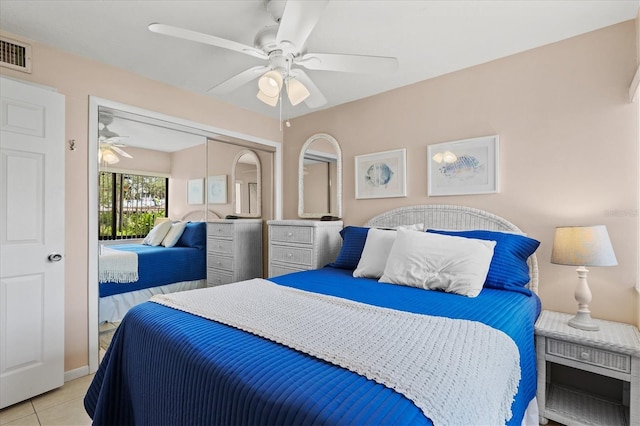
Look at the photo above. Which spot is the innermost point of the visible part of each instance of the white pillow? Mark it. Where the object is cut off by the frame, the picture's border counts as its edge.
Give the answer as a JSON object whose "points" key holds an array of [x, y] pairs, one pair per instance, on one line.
{"points": [[414, 227], [157, 234], [174, 234], [453, 264], [376, 250]]}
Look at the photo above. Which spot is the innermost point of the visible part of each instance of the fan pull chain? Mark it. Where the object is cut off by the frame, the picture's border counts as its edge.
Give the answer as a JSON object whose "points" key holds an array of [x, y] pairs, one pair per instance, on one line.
{"points": [[280, 105]]}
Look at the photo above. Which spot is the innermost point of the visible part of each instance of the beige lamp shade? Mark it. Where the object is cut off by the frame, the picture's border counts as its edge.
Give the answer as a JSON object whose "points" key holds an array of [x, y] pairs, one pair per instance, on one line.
{"points": [[583, 246], [269, 100], [270, 83], [109, 156], [296, 91]]}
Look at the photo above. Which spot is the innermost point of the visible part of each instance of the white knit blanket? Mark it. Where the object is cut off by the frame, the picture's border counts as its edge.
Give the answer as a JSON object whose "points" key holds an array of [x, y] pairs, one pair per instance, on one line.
{"points": [[117, 266], [456, 371]]}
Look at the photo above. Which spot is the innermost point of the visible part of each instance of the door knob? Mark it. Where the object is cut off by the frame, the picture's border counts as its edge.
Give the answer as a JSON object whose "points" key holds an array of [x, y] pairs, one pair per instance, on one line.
{"points": [[54, 257]]}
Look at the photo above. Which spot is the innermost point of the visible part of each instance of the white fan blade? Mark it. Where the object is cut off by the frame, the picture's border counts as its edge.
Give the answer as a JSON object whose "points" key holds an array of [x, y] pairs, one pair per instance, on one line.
{"points": [[298, 20], [207, 39], [239, 80], [112, 139], [316, 99], [120, 151], [348, 63]]}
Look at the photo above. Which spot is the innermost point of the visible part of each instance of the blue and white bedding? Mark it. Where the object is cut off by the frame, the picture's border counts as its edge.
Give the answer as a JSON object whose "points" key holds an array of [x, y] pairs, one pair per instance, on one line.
{"points": [[166, 366], [159, 265]]}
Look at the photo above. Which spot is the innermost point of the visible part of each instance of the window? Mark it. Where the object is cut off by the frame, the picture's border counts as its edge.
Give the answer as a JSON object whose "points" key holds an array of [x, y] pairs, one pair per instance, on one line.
{"points": [[129, 204]]}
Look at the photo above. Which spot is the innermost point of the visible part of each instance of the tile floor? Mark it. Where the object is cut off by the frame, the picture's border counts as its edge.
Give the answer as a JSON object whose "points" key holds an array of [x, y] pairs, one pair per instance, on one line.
{"points": [[62, 406]]}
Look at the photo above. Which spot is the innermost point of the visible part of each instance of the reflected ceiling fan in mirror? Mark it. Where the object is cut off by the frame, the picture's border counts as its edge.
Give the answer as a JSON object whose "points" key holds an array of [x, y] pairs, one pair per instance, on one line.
{"points": [[282, 46], [108, 140]]}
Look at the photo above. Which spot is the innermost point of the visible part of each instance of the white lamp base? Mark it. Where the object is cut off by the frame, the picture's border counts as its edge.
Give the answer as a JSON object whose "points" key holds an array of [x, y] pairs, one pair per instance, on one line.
{"points": [[583, 320]]}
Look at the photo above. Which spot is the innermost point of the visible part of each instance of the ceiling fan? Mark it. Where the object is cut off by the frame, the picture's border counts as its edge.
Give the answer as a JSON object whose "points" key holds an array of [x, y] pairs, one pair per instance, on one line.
{"points": [[108, 140], [283, 47]]}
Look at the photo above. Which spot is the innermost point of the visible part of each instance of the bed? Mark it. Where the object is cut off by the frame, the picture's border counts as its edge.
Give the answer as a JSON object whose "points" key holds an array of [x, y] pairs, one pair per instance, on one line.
{"points": [[179, 360], [130, 274]]}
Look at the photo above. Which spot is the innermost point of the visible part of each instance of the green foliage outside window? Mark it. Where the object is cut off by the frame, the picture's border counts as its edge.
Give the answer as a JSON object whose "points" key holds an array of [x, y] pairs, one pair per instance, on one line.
{"points": [[129, 204]]}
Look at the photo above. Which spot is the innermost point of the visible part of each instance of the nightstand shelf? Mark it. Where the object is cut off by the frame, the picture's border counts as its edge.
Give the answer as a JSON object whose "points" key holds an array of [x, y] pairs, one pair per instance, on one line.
{"points": [[613, 352], [574, 406]]}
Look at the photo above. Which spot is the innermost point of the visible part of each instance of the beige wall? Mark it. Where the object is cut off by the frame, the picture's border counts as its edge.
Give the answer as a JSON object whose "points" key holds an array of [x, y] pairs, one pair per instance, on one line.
{"points": [[186, 164], [568, 150], [77, 78]]}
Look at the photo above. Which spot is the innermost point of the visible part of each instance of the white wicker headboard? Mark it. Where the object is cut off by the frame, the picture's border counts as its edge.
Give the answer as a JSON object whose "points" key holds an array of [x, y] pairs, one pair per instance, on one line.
{"points": [[454, 218], [200, 215]]}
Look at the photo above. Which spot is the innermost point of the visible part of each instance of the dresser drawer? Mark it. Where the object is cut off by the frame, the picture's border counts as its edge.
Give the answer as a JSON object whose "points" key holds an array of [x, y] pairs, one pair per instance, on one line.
{"points": [[292, 234], [589, 355], [220, 246], [277, 270], [220, 262], [220, 230], [218, 277], [297, 255]]}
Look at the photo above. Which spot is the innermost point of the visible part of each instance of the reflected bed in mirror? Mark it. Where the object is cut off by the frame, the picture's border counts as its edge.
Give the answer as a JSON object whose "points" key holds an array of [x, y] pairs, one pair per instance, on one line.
{"points": [[320, 178], [246, 193]]}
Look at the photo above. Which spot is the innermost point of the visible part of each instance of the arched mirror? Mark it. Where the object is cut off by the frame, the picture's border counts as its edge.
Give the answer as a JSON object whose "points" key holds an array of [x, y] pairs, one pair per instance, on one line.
{"points": [[320, 177], [246, 184]]}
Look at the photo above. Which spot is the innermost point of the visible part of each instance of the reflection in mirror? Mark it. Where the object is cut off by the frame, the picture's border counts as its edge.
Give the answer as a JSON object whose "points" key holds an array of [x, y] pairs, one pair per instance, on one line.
{"points": [[246, 184], [320, 177]]}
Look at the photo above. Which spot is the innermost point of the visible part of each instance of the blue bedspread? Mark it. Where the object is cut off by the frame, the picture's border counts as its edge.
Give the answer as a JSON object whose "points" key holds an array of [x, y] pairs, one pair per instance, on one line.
{"points": [[167, 367], [159, 266]]}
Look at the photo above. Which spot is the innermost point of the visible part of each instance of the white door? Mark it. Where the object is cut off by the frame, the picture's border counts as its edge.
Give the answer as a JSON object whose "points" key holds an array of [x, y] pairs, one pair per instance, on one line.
{"points": [[31, 241]]}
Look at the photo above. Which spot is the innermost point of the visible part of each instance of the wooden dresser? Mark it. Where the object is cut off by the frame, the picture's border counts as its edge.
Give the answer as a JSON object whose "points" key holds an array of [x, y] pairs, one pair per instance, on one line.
{"points": [[234, 250], [300, 245]]}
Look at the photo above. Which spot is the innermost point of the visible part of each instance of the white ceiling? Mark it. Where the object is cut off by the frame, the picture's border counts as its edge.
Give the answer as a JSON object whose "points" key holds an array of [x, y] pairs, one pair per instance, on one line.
{"points": [[429, 38]]}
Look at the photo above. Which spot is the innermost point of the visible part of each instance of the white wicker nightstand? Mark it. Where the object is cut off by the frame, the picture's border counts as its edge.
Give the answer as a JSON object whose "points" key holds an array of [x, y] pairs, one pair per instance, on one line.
{"points": [[613, 351], [300, 245]]}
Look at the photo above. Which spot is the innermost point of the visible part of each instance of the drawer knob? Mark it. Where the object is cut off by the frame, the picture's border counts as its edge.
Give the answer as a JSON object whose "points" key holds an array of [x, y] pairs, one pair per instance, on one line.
{"points": [[584, 356], [289, 234], [289, 254]]}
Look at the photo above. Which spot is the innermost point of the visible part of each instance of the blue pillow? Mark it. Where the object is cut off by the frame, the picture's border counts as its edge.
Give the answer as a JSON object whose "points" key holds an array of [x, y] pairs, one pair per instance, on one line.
{"points": [[353, 239], [508, 269], [194, 235]]}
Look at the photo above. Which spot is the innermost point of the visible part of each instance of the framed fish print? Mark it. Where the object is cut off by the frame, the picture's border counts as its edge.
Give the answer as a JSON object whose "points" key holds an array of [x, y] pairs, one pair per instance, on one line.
{"points": [[381, 174], [463, 167]]}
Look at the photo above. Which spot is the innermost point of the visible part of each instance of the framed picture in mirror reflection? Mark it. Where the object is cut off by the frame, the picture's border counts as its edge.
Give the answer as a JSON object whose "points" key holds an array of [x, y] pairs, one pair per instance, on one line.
{"points": [[217, 189]]}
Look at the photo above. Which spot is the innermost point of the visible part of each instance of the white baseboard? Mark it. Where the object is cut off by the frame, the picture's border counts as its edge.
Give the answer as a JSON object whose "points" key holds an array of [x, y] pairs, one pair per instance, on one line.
{"points": [[76, 373]]}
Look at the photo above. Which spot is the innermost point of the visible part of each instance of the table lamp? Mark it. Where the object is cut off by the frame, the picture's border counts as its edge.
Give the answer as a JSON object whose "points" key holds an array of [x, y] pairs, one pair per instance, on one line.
{"points": [[583, 246]]}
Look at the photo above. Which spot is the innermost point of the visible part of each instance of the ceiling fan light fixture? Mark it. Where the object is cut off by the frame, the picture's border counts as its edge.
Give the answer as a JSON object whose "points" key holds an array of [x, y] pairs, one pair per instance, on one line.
{"points": [[109, 156], [269, 100], [296, 91], [270, 83]]}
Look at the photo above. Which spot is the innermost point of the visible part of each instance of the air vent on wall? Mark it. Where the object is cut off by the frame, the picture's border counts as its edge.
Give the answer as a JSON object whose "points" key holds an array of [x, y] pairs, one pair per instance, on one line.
{"points": [[15, 55]]}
